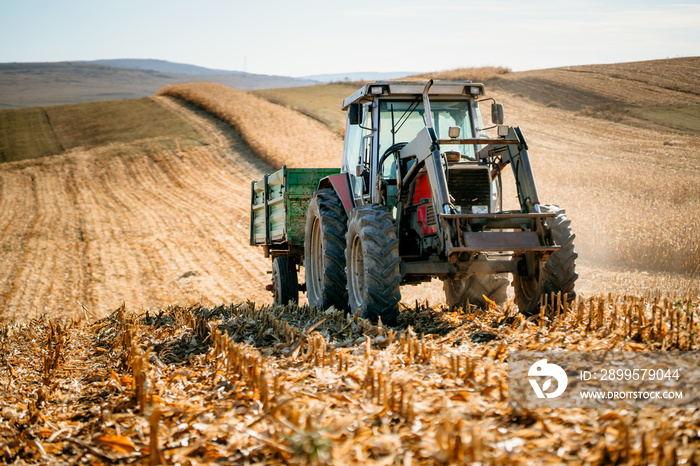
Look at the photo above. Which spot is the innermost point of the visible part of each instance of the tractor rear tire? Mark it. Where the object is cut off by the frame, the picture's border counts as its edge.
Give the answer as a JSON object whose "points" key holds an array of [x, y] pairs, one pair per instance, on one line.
{"points": [[285, 284], [373, 264], [473, 290], [557, 274], [324, 251]]}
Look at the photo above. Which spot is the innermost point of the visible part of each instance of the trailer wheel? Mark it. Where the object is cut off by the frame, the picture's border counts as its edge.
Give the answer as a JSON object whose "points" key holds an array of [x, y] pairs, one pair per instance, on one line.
{"points": [[285, 284], [473, 290], [324, 245], [373, 269], [557, 274]]}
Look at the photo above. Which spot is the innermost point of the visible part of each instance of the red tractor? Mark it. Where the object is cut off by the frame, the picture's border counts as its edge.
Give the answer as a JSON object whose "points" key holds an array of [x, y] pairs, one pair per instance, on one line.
{"points": [[418, 196]]}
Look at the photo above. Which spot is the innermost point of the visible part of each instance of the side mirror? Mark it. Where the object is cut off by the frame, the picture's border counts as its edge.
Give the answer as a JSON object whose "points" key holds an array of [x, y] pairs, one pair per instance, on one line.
{"points": [[497, 114], [355, 114]]}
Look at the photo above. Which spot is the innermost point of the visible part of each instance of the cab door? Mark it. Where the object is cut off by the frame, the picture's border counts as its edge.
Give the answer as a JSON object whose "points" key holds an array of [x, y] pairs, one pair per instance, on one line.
{"points": [[357, 151]]}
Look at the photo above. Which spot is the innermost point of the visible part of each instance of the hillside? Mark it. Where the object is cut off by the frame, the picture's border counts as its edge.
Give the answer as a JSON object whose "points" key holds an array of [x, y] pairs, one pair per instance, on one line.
{"points": [[161, 65], [651, 93], [43, 84], [322, 103], [146, 222], [648, 94], [144, 201], [40, 131]]}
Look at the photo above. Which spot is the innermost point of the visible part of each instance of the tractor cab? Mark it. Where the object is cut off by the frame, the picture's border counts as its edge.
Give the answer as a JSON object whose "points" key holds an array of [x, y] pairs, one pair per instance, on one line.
{"points": [[385, 116]]}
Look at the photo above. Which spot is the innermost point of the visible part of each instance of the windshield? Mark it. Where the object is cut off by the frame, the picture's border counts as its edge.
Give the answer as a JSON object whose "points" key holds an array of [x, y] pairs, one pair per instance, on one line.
{"points": [[400, 121]]}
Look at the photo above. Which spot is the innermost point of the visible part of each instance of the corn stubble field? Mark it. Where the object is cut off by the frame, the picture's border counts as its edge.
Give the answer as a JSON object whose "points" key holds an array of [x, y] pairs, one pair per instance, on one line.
{"points": [[176, 377]]}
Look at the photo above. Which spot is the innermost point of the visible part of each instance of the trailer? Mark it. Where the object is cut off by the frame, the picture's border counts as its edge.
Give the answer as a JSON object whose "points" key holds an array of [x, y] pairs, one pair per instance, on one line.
{"points": [[277, 221]]}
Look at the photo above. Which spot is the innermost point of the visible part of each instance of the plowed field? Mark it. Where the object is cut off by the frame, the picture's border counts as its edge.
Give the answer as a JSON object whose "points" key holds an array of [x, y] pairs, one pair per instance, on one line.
{"points": [[102, 226]]}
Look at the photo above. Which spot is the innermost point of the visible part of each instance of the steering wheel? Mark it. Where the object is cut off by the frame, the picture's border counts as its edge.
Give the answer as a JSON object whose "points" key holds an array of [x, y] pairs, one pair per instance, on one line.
{"points": [[394, 148]]}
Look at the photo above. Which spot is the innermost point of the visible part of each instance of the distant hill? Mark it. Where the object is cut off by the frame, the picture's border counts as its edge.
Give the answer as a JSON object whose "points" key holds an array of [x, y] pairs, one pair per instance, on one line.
{"points": [[643, 83], [358, 76], [161, 65], [658, 92], [41, 84]]}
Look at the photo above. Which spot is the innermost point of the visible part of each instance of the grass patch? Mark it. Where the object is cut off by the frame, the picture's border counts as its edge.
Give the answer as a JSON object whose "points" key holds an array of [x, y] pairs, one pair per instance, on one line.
{"points": [[40, 131], [26, 133], [322, 102], [684, 118], [98, 123]]}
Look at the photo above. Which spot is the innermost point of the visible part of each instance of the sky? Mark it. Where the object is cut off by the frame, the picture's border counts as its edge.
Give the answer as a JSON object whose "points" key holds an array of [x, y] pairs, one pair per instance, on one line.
{"points": [[308, 37]]}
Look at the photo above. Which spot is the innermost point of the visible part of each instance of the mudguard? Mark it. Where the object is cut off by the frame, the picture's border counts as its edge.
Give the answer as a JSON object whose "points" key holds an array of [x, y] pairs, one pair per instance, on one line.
{"points": [[343, 188]]}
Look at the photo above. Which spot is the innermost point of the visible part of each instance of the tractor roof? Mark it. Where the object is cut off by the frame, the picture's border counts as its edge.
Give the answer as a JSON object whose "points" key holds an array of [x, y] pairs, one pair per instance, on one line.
{"points": [[412, 89]]}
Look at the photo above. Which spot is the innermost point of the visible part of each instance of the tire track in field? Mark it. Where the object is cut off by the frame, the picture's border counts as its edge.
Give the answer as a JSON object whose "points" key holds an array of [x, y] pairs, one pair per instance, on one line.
{"points": [[20, 208], [173, 206], [120, 223], [200, 210], [188, 202], [120, 262], [32, 278], [233, 160]]}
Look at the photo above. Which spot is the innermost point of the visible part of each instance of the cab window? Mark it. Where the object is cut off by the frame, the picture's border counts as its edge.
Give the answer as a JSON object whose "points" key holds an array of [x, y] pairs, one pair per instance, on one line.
{"points": [[400, 121]]}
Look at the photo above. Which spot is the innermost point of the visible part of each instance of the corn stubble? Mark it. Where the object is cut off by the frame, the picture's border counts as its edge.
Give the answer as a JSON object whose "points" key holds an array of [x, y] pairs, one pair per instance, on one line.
{"points": [[247, 384]]}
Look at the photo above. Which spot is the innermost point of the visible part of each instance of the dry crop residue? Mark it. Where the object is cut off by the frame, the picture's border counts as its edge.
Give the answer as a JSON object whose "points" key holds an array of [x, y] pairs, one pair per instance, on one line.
{"points": [[112, 224], [244, 384], [278, 135]]}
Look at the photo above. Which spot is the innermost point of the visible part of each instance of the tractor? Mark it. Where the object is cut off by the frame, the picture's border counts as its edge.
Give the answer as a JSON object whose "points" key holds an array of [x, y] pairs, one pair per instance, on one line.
{"points": [[418, 196]]}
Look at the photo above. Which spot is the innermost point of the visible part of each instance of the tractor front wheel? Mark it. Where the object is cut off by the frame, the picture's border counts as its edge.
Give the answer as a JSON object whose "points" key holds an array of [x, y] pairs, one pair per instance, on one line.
{"points": [[557, 274], [373, 264], [324, 245]]}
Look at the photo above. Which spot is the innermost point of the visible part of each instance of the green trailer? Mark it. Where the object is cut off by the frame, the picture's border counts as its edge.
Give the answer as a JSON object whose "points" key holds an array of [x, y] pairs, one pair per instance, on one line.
{"points": [[277, 221]]}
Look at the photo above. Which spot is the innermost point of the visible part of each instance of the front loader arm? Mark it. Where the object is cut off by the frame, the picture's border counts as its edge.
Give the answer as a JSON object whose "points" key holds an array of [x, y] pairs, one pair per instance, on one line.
{"points": [[518, 157], [426, 151], [425, 148]]}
